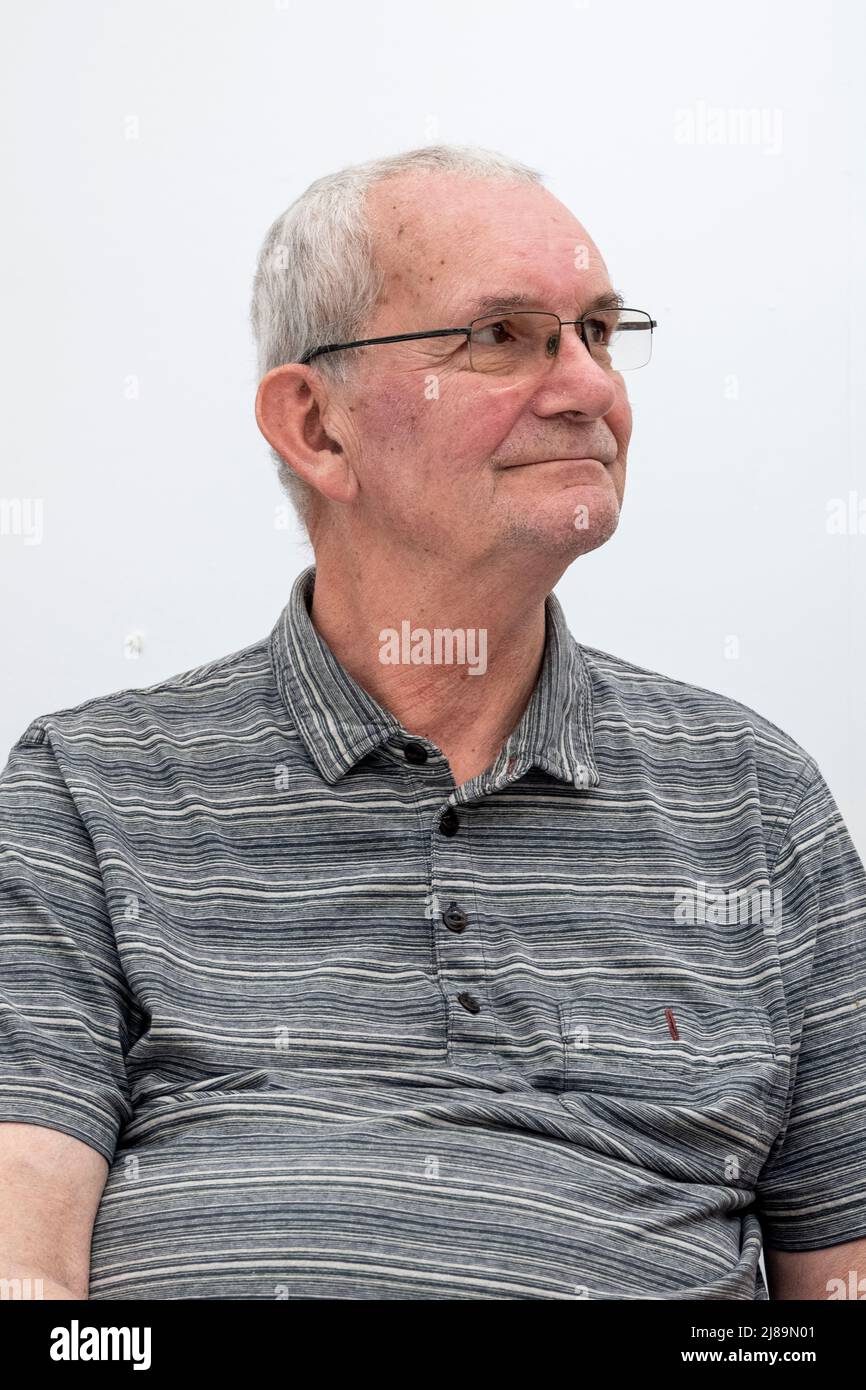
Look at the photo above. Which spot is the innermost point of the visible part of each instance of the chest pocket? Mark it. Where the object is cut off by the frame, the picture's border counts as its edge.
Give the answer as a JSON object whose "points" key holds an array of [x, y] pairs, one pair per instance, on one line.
{"points": [[698, 1054]]}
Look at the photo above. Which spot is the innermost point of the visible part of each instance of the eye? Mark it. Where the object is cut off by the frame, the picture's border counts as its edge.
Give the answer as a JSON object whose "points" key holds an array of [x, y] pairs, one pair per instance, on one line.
{"points": [[598, 331], [493, 334]]}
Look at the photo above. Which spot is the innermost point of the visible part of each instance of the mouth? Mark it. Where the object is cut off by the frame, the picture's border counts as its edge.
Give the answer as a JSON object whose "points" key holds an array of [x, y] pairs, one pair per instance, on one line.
{"points": [[566, 458]]}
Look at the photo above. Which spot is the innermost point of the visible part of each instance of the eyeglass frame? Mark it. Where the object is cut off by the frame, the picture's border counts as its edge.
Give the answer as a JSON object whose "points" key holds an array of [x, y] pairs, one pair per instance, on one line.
{"points": [[448, 332]]}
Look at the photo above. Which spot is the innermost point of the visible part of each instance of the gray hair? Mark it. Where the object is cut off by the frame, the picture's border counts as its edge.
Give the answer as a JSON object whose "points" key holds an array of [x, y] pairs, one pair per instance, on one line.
{"points": [[317, 280]]}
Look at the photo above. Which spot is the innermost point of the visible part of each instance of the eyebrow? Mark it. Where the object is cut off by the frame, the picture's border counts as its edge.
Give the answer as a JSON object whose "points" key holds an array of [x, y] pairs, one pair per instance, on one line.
{"points": [[515, 299]]}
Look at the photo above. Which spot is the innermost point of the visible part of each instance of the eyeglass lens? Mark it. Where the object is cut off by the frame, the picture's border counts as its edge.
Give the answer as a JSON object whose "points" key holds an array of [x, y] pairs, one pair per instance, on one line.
{"points": [[522, 341]]}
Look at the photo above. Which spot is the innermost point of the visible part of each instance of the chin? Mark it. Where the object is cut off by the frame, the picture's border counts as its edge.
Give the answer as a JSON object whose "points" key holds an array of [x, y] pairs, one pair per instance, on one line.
{"points": [[570, 525]]}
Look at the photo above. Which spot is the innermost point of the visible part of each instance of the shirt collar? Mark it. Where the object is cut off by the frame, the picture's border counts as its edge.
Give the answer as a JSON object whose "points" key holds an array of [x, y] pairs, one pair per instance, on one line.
{"points": [[339, 722]]}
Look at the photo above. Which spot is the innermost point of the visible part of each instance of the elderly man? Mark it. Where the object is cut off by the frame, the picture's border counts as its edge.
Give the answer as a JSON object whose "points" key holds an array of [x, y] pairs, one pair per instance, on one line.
{"points": [[415, 950]]}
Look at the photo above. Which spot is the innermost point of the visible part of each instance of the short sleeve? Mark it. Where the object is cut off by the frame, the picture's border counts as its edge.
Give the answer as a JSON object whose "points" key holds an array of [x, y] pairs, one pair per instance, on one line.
{"points": [[811, 1192], [63, 995]]}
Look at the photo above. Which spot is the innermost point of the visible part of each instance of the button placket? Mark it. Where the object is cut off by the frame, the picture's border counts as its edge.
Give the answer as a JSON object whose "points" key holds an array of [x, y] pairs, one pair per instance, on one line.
{"points": [[461, 957]]}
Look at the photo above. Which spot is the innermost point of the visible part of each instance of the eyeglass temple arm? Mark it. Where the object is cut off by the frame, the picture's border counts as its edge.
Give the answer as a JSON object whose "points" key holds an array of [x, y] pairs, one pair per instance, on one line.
{"points": [[371, 342]]}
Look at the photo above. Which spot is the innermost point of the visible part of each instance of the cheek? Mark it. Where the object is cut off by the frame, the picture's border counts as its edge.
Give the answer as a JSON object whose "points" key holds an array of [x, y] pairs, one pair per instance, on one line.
{"points": [[472, 420], [487, 420], [445, 421], [619, 421]]}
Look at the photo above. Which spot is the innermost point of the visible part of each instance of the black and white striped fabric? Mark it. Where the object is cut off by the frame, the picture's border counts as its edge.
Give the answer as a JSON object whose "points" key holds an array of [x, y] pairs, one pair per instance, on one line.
{"points": [[579, 1028]]}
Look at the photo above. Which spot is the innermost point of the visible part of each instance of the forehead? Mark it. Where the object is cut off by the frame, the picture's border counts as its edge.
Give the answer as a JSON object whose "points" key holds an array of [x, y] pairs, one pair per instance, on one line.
{"points": [[446, 241]]}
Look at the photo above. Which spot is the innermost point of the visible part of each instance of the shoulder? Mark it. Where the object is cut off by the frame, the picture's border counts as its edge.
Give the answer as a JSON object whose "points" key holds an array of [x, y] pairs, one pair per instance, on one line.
{"points": [[227, 687], [698, 727]]}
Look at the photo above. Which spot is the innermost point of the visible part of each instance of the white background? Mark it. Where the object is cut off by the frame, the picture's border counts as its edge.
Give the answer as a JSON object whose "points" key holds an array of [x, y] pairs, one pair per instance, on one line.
{"points": [[148, 146]]}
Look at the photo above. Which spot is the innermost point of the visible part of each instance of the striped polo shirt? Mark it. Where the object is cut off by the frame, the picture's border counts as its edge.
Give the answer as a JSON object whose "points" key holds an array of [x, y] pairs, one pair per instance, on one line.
{"points": [[589, 1025]]}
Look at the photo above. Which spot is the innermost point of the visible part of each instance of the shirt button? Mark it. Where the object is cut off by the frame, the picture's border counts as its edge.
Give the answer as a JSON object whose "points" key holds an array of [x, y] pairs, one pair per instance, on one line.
{"points": [[449, 821], [414, 752], [469, 1002], [455, 918]]}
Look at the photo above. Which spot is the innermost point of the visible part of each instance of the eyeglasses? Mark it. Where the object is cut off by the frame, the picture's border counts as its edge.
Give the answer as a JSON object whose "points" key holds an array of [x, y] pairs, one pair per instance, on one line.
{"points": [[521, 341]]}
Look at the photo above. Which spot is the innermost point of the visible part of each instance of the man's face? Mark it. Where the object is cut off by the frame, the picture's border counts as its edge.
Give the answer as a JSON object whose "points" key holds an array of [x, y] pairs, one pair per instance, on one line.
{"points": [[472, 463]]}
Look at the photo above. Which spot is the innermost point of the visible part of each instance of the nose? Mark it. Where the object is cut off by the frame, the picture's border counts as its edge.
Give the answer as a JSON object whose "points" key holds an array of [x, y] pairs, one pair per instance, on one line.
{"points": [[573, 380]]}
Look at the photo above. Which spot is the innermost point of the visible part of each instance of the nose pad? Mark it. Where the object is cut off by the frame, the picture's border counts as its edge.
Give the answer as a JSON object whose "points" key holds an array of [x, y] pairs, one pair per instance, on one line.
{"points": [[552, 345]]}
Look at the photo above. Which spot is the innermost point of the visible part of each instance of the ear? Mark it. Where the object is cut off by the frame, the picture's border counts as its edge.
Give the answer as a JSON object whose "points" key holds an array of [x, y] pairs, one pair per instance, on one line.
{"points": [[292, 403]]}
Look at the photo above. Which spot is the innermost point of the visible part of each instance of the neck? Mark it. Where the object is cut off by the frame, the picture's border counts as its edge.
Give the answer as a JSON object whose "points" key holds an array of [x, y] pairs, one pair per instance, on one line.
{"points": [[393, 629]]}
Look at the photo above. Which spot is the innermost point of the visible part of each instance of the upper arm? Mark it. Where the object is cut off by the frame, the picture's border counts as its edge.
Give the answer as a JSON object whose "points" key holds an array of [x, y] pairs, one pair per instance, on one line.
{"points": [[64, 1025], [64, 997], [832, 1273], [50, 1186], [811, 1191]]}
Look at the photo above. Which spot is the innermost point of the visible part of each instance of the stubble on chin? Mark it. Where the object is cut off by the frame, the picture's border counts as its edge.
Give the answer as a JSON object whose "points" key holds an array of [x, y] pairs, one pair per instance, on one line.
{"points": [[569, 530]]}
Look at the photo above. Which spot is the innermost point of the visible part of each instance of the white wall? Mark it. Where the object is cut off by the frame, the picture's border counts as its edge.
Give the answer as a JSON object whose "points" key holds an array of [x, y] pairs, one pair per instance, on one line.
{"points": [[148, 147]]}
